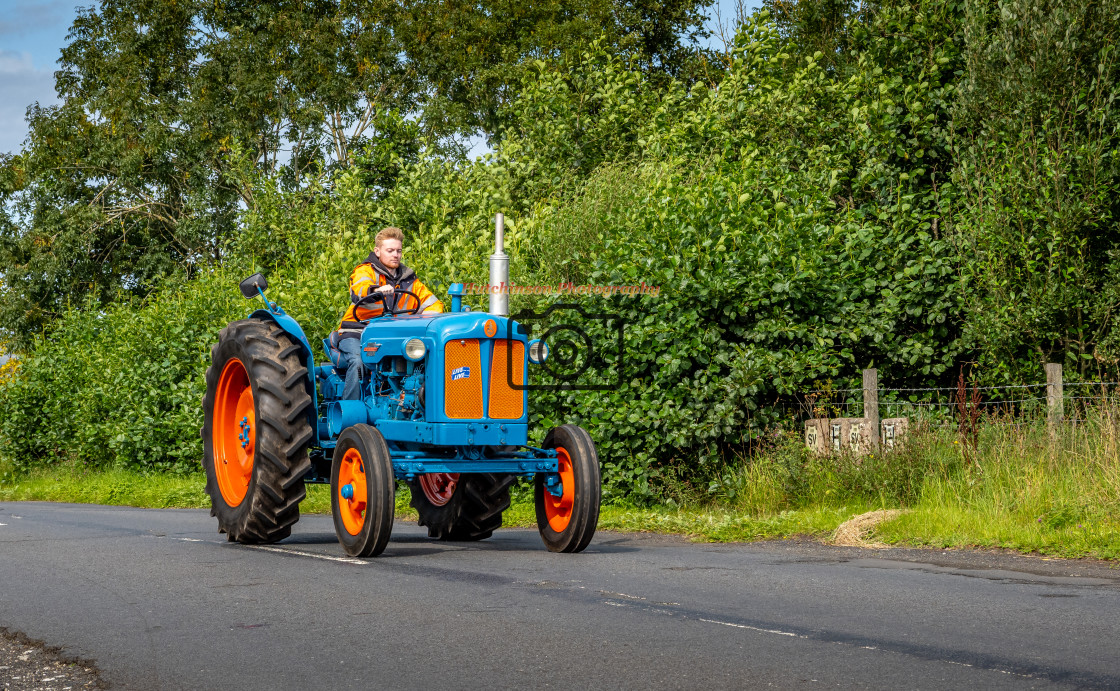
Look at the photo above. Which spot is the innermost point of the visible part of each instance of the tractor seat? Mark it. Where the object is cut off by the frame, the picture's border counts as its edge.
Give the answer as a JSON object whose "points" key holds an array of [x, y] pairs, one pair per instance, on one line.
{"points": [[330, 344]]}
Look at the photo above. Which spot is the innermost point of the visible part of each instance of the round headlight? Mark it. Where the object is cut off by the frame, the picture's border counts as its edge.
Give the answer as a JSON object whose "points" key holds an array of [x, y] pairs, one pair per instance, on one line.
{"points": [[415, 349], [538, 352]]}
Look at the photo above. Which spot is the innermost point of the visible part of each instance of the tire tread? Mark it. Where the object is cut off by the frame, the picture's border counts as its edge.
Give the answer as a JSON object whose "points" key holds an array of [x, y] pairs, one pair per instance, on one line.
{"points": [[279, 375]]}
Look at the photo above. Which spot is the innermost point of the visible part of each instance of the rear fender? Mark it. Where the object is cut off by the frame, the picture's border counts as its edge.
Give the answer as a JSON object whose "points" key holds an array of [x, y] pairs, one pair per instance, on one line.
{"points": [[292, 328]]}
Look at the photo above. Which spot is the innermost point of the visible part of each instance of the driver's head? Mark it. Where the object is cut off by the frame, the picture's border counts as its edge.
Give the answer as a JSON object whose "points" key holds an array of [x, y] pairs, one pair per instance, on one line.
{"points": [[388, 246]]}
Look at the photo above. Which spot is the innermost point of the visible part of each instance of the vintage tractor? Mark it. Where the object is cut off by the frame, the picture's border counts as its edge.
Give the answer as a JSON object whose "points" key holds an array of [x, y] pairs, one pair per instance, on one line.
{"points": [[444, 408]]}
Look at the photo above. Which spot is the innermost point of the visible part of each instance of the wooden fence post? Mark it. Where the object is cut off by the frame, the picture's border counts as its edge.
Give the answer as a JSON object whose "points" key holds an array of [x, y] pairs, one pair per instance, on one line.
{"points": [[1054, 395], [871, 404]]}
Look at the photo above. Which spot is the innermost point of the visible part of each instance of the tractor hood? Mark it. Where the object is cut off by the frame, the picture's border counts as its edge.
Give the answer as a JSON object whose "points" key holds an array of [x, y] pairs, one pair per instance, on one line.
{"points": [[386, 337]]}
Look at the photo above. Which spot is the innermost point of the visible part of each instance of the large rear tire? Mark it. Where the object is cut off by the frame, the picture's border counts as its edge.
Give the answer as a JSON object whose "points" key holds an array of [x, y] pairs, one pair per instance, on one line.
{"points": [[362, 491], [466, 508], [256, 433], [568, 522]]}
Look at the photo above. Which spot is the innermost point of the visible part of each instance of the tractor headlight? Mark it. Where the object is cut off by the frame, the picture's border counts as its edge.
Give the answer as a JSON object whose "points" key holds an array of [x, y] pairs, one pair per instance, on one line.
{"points": [[538, 352], [414, 349]]}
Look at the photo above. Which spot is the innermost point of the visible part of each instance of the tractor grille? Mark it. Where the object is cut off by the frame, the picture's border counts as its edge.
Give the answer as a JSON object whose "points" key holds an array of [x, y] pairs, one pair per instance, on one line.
{"points": [[507, 403], [462, 379]]}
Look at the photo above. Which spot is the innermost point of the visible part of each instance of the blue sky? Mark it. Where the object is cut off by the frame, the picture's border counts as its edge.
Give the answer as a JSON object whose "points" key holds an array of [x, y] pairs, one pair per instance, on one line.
{"points": [[32, 34]]}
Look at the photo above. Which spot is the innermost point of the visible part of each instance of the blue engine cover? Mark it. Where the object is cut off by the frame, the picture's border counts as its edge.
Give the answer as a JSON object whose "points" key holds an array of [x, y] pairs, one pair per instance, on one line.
{"points": [[460, 355]]}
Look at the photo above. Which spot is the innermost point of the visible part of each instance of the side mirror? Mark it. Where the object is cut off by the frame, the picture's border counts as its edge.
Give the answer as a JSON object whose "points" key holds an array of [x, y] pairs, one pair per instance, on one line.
{"points": [[250, 285]]}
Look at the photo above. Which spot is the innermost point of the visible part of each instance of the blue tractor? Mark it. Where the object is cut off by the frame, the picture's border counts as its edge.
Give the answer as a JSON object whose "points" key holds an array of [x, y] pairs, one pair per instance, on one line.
{"points": [[444, 408]]}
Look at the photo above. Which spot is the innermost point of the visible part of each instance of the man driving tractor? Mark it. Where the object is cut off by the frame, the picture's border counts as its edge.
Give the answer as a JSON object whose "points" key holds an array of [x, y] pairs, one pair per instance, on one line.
{"points": [[381, 272]]}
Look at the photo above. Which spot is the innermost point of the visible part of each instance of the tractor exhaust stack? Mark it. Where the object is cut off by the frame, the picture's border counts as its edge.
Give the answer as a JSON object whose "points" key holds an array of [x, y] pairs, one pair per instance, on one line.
{"points": [[499, 270]]}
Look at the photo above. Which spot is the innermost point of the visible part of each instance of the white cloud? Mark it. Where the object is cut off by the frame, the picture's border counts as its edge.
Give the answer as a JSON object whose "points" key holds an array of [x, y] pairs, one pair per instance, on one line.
{"points": [[30, 17], [21, 84]]}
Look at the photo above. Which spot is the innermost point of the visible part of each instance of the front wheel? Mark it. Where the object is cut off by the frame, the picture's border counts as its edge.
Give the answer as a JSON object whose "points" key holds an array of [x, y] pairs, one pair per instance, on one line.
{"points": [[567, 522], [362, 491]]}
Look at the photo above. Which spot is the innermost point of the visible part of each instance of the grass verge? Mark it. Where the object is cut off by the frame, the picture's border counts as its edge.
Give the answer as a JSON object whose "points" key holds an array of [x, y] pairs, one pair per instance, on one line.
{"points": [[1017, 488], [128, 488]]}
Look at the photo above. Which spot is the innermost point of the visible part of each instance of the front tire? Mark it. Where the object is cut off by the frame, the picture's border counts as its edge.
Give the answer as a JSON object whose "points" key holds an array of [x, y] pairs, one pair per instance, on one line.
{"points": [[362, 489], [256, 433], [568, 522]]}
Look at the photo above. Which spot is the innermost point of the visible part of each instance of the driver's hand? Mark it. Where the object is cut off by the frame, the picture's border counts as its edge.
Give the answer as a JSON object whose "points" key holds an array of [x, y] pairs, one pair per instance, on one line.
{"points": [[387, 289]]}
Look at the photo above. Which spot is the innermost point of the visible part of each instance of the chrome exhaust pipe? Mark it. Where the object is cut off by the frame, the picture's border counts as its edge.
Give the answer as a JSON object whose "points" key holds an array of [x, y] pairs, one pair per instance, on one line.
{"points": [[499, 270]]}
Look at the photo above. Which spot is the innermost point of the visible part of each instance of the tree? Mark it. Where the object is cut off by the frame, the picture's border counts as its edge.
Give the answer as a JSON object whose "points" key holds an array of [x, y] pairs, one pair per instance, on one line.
{"points": [[819, 26], [1038, 139], [170, 109], [474, 56]]}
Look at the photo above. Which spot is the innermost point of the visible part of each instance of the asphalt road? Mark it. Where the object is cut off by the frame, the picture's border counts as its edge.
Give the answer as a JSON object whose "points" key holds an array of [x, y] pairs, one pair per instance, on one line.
{"points": [[159, 600]]}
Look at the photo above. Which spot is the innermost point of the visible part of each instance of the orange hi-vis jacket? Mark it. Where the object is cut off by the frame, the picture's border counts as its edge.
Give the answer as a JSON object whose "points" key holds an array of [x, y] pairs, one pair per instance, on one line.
{"points": [[371, 274]]}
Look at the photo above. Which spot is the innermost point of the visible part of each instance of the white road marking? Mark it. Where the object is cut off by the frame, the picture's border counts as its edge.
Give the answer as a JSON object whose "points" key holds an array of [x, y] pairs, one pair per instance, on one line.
{"points": [[622, 595], [864, 647], [752, 628], [281, 550]]}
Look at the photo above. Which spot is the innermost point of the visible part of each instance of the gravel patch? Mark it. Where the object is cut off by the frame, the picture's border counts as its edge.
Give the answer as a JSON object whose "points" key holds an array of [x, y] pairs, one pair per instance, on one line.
{"points": [[29, 665]]}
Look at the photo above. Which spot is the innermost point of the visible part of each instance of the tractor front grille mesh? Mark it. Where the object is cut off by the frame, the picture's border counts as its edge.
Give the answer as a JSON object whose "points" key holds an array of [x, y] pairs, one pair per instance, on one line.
{"points": [[507, 403], [462, 379]]}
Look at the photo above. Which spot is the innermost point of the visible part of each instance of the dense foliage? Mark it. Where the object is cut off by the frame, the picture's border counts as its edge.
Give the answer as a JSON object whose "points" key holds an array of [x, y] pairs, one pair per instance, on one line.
{"points": [[138, 174], [886, 186], [1038, 166]]}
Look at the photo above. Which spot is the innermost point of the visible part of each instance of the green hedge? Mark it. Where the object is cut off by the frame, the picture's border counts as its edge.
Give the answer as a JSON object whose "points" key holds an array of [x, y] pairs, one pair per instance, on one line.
{"points": [[802, 222]]}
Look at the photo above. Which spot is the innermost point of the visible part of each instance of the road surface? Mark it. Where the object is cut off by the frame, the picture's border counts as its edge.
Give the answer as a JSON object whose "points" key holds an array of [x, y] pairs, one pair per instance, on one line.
{"points": [[159, 600]]}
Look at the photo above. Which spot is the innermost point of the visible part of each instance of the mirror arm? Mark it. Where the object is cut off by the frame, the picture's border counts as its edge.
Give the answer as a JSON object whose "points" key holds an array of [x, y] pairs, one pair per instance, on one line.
{"points": [[270, 306]]}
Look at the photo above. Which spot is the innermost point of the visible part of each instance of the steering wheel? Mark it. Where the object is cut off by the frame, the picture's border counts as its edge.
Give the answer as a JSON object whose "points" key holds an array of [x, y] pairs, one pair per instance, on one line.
{"points": [[387, 310]]}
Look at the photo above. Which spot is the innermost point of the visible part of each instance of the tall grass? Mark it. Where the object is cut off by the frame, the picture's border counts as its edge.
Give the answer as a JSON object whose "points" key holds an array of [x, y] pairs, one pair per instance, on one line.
{"points": [[1031, 491], [1029, 488]]}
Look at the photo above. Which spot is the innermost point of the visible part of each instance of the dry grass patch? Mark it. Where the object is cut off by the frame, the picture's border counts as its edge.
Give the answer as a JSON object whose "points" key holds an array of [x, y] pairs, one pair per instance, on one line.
{"points": [[851, 533]]}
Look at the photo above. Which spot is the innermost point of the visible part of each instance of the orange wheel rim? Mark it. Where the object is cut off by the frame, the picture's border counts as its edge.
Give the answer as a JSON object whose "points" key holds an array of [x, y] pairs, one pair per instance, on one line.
{"points": [[558, 510], [353, 510], [439, 487], [234, 432]]}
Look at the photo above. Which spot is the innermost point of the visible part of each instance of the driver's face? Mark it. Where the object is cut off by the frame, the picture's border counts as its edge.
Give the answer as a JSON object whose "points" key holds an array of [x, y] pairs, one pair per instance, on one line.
{"points": [[389, 253]]}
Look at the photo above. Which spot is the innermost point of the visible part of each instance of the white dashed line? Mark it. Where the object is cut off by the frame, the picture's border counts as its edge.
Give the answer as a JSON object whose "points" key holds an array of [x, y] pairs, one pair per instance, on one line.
{"points": [[622, 595], [864, 647], [752, 628], [312, 555], [282, 550]]}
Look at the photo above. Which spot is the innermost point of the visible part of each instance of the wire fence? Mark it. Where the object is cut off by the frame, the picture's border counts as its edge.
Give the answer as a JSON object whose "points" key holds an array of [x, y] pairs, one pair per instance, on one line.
{"points": [[999, 405]]}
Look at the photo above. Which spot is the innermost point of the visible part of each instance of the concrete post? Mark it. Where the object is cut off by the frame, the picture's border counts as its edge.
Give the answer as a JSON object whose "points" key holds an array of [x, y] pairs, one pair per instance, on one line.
{"points": [[871, 404], [1054, 395]]}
